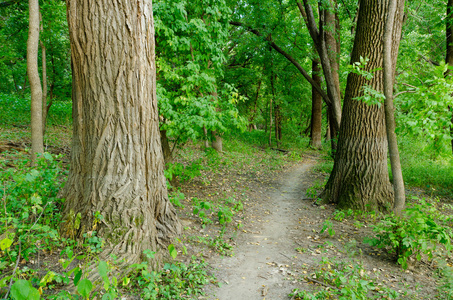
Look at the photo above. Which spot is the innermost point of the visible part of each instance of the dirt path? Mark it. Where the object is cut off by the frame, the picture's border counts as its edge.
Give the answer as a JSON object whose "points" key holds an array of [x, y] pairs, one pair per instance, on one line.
{"points": [[262, 267]]}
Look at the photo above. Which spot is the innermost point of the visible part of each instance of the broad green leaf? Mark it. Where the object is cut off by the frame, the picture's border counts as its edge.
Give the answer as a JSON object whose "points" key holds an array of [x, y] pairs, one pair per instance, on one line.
{"points": [[5, 243], [172, 250], [23, 290], [84, 287]]}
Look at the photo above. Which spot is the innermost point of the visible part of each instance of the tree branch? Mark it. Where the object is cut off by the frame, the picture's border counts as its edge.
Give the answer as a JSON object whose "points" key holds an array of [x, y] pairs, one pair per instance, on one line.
{"points": [[311, 22], [288, 57]]}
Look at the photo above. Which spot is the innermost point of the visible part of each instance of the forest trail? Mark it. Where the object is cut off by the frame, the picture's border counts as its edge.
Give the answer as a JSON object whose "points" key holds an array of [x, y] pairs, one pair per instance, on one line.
{"points": [[264, 265]]}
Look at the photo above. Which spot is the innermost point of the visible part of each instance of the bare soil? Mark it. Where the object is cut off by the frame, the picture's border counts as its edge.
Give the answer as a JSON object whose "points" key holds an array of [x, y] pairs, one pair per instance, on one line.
{"points": [[279, 246]]}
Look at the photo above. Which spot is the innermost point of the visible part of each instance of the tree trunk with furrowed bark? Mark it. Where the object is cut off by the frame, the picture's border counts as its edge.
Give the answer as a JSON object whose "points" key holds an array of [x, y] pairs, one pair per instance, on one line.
{"points": [[360, 177], [116, 161]]}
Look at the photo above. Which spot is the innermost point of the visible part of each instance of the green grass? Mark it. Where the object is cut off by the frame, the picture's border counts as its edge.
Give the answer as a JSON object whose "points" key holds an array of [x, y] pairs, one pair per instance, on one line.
{"points": [[426, 168], [15, 111]]}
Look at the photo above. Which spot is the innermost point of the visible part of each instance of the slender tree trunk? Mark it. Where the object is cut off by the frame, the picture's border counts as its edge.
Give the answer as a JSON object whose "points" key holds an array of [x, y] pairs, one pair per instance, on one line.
{"points": [[389, 75], [449, 56], [206, 140], [252, 118], [116, 161], [270, 122], [360, 176], [37, 145], [278, 126], [44, 81], [216, 141], [165, 146], [316, 109], [326, 45], [332, 41]]}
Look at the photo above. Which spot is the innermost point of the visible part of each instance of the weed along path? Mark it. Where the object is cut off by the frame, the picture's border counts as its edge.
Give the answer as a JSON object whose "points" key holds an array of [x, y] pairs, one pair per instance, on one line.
{"points": [[263, 266]]}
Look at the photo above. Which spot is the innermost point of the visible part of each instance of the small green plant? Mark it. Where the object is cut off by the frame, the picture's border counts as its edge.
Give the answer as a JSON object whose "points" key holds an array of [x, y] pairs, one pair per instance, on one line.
{"points": [[176, 197], [217, 243], [344, 280], [201, 209], [412, 234], [339, 215], [184, 173], [328, 226], [175, 281]]}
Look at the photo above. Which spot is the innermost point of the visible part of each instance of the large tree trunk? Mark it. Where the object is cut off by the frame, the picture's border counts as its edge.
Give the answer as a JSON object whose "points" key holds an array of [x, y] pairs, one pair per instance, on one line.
{"points": [[116, 160], [316, 109], [360, 176], [37, 145]]}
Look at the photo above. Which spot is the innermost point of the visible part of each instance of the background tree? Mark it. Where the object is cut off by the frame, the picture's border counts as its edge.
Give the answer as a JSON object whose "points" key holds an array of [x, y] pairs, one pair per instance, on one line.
{"points": [[116, 175], [37, 145]]}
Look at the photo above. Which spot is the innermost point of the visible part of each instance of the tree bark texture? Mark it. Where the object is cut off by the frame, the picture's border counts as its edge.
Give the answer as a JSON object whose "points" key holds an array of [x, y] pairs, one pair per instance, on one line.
{"points": [[360, 176], [116, 161], [389, 76], [166, 151], [37, 145], [316, 109]]}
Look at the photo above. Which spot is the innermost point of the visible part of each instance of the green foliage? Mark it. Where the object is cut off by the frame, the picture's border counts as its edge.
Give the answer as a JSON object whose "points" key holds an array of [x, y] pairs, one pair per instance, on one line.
{"points": [[328, 226], [191, 39], [175, 281], [31, 213], [176, 197], [417, 231], [183, 173], [15, 110], [426, 169], [217, 243], [13, 53], [23, 290], [345, 281], [202, 210]]}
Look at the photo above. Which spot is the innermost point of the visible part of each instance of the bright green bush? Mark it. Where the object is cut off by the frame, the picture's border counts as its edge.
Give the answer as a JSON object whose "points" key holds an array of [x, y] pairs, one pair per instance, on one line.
{"points": [[415, 232]]}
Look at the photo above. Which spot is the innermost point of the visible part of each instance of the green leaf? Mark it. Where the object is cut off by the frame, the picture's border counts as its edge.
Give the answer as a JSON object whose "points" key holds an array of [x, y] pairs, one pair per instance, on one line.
{"points": [[77, 275], [84, 288], [5, 243], [103, 269], [172, 250], [23, 290], [149, 253]]}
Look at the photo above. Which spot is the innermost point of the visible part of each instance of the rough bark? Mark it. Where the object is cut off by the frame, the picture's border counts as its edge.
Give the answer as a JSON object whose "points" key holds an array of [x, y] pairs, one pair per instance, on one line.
{"points": [[360, 176], [316, 109], [389, 75], [37, 145], [166, 151], [116, 160]]}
